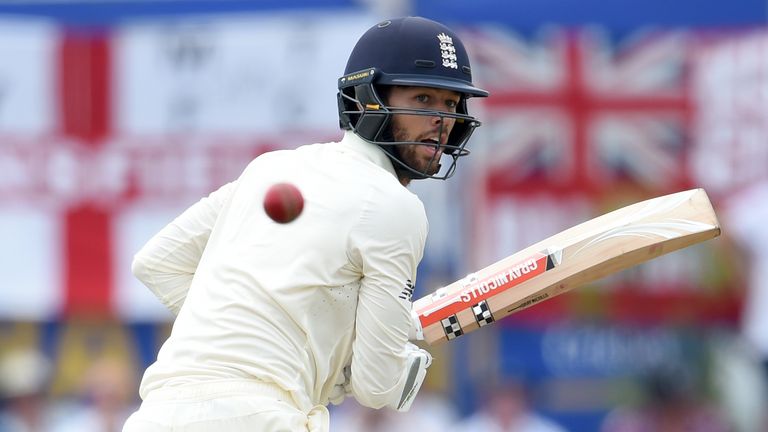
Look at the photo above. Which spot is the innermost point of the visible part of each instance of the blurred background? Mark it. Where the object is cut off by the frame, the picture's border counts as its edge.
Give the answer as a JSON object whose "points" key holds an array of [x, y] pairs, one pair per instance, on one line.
{"points": [[117, 115]]}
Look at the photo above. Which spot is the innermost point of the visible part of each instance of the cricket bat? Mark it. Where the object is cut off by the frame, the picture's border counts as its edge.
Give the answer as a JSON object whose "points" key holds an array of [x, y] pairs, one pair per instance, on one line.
{"points": [[581, 254]]}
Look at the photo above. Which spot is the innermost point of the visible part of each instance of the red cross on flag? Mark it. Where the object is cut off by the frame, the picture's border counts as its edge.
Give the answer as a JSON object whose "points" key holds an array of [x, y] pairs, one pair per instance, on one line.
{"points": [[106, 136], [575, 112]]}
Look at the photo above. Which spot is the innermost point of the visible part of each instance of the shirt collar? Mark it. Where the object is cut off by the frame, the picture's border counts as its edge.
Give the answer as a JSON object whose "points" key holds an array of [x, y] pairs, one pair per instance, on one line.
{"points": [[369, 151]]}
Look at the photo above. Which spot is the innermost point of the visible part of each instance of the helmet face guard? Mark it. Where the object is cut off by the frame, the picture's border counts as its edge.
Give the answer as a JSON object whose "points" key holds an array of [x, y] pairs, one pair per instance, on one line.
{"points": [[413, 52], [371, 119]]}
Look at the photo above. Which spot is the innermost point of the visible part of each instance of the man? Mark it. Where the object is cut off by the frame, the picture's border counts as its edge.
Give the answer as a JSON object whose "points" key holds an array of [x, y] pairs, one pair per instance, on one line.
{"points": [[277, 320]]}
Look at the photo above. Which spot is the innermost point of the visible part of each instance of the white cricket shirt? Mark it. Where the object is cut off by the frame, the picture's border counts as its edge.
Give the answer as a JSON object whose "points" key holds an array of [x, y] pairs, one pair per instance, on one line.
{"points": [[292, 303]]}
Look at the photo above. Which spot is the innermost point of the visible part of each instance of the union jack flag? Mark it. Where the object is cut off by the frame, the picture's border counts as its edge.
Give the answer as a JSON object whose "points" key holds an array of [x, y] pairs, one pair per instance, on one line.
{"points": [[574, 111]]}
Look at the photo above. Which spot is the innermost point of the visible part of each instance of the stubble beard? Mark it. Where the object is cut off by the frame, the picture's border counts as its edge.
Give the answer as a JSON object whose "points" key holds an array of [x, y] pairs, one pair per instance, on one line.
{"points": [[408, 153]]}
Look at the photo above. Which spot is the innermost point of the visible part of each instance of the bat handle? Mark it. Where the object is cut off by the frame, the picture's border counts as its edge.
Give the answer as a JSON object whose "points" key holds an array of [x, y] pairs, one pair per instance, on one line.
{"points": [[416, 333]]}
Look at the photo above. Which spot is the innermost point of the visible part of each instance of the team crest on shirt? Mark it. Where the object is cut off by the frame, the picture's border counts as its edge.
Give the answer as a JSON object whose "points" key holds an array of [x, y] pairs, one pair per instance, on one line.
{"points": [[447, 51], [407, 293]]}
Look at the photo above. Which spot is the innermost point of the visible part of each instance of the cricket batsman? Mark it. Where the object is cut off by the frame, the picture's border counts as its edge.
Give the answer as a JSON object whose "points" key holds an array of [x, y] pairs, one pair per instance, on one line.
{"points": [[276, 320]]}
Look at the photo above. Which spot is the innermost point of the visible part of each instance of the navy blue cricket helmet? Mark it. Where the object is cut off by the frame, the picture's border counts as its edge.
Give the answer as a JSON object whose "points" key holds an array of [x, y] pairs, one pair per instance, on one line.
{"points": [[411, 51]]}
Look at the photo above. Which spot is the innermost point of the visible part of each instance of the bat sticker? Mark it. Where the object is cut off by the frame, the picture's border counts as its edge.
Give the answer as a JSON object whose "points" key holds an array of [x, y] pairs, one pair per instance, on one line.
{"points": [[482, 313], [475, 290], [451, 327]]}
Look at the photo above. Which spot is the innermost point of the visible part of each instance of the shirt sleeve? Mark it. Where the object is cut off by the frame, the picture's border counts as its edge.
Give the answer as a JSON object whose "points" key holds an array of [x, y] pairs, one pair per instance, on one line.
{"points": [[388, 245], [167, 263]]}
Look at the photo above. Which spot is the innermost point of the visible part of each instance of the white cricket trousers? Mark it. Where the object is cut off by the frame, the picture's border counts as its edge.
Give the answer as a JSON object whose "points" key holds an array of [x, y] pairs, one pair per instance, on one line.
{"points": [[229, 406]]}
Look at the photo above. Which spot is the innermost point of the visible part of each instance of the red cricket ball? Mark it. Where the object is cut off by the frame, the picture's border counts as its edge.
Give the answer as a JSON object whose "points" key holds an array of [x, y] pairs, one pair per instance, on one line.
{"points": [[283, 202]]}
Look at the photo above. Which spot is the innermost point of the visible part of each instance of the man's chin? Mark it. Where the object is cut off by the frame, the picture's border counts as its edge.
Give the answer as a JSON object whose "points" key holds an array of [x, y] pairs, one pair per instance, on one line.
{"points": [[425, 166], [432, 169]]}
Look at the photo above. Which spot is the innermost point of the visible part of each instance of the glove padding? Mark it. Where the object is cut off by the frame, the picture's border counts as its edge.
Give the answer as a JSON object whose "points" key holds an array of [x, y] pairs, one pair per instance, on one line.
{"points": [[416, 370], [415, 333]]}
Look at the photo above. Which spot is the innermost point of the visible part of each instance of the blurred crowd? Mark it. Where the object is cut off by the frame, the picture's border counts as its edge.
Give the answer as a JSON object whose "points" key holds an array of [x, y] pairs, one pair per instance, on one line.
{"points": [[667, 401], [105, 395]]}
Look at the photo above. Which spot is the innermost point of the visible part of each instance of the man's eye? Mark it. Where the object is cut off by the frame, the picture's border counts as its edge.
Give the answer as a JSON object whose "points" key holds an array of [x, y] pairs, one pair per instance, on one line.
{"points": [[422, 98], [452, 103]]}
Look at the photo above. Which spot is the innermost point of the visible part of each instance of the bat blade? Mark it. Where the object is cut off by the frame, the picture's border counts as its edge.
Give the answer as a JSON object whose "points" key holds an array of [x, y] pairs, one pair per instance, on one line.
{"points": [[581, 254]]}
